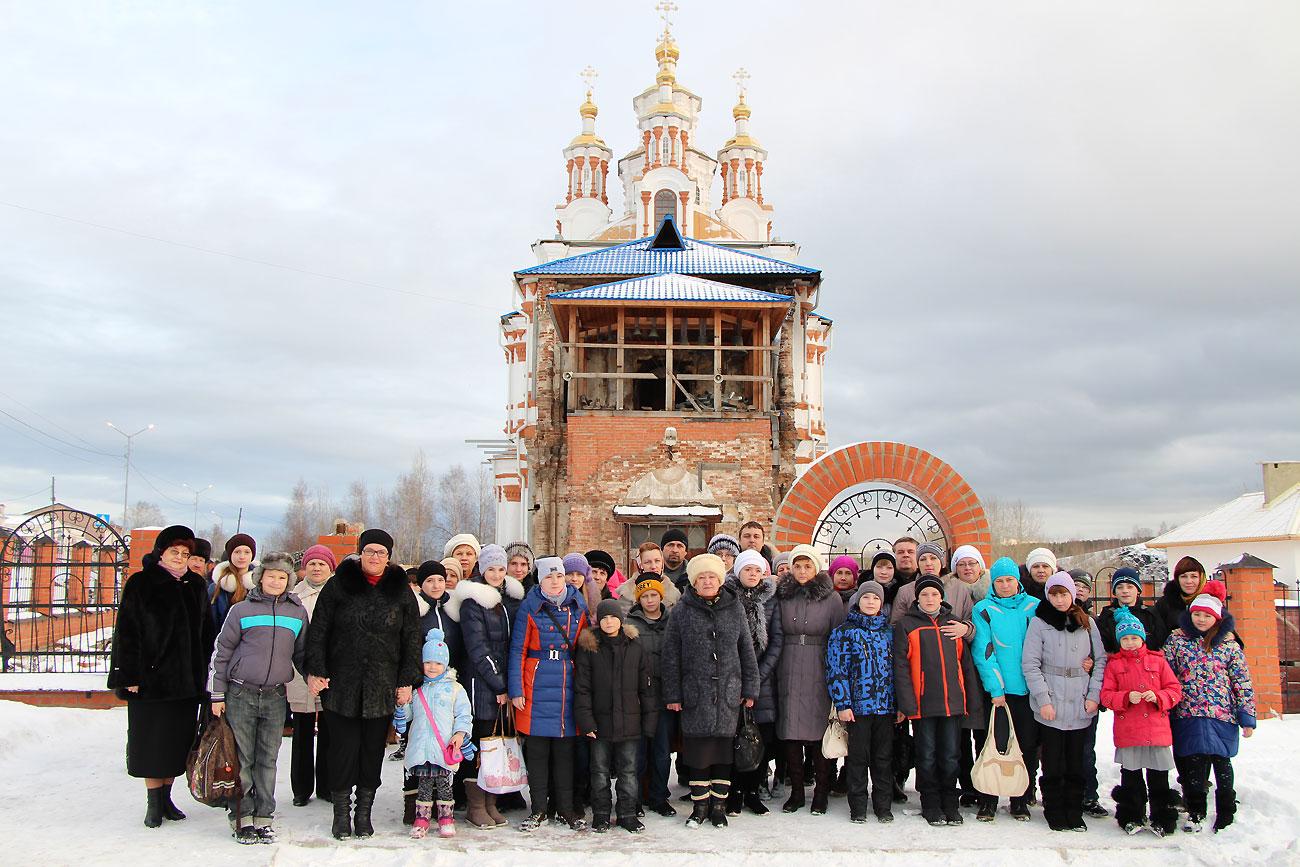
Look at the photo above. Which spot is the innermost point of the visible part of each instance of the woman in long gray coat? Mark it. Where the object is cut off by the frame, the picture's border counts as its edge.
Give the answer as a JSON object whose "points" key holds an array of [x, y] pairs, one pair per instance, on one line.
{"points": [[1063, 663], [708, 670], [810, 609]]}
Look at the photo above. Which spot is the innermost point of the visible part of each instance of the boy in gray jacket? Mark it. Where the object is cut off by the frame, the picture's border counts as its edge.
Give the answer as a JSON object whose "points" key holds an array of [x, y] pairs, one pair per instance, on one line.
{"points": [[262, 642]]}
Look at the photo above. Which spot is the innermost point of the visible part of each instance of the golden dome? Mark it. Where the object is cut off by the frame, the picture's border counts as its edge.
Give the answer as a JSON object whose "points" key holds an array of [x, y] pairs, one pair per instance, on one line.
{"points": [[588, 108], [667, 47], [741, 110]]}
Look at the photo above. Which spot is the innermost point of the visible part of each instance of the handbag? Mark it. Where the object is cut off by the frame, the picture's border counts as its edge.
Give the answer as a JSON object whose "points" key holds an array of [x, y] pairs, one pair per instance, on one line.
{"points": [[212, 767], [451, 753], [748, 746], [501, 767], [1002, 774], [835, 740]]}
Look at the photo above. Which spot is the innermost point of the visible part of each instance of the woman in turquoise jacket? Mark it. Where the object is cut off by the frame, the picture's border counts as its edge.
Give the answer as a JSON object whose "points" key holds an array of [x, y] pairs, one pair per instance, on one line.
{"points": [[1001, 621]]}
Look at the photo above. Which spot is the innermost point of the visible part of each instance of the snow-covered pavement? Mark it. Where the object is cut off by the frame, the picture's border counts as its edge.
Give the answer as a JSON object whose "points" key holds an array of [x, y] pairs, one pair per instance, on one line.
{"points": [[69, 801]]}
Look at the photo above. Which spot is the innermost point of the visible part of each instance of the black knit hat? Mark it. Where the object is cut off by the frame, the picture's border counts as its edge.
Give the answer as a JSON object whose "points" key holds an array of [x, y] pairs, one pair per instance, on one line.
{"points": [[601, 560], [379, 537], [239, 539], [928, 581], [673, 534], [176, 534], [432, 567], [202, 548]]}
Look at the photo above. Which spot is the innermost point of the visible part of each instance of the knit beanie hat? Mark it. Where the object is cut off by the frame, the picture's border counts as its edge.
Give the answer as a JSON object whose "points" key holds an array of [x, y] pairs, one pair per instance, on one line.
{"points": [[748, 557], [461, 539], [929, 548], [1004, 567], [1062, 580], [705, 563], [782, 557], [435, 647], [176, 534], [844, 561], [1041, 555], [1125, 576], [1082, 576], [549, 565], [520, 549], [601, 560], [964, 552], [809, 552], [929, 581], [645, 585], [203, 548], [231, 544], [609, 608], [492, 555], [320, 552], [431, 567], [1211, 600], [723, 542], [863, 589], [278, 561], [1127, 624], [672, 534], [452, 566], [884, 555], [377, 537], [576, 562]]}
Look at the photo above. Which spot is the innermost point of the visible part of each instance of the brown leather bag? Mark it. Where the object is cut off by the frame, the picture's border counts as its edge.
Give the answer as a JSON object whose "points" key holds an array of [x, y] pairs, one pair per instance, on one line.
{"points": [[212, 771]]}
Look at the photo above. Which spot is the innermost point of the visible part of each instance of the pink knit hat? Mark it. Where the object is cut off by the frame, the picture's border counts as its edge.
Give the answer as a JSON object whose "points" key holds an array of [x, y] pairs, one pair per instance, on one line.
{"points": [[844, 561], [320, 552]]}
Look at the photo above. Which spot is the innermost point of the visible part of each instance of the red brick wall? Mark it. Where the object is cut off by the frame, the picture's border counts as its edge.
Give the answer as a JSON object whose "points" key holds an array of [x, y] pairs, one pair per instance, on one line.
{"points": [[1254, 607]]}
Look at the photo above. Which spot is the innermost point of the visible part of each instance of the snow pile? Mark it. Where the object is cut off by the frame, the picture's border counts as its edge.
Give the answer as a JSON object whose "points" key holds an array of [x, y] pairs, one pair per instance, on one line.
{"points": [[72, 803], [1151, 563]]}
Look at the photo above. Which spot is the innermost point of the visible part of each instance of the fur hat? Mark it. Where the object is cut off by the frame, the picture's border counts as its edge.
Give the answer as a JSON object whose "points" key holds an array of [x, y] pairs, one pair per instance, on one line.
{"points": [[723, 542], [549, 565], [1062, 580], [1127, 624], [609, 608], [930, 548], [601, 560], [645, 585], [970, 552], [748, 557], [844, 561], [375, 536], [1040, 555], [928, 581], [1211, 601], [176, 534], [280, 562], [575, 562], [1004, 567], [520, 549], [492, 555], [431, 567], [705, 563], [435, 647], [202, 548], [232, 543], [673, 534], [1126, 576], [461, 539], [809, 552], [320, 552]]}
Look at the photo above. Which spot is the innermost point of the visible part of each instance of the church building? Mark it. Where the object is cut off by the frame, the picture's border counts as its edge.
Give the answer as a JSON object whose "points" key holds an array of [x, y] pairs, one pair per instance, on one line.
{"points": [[664, 361]]}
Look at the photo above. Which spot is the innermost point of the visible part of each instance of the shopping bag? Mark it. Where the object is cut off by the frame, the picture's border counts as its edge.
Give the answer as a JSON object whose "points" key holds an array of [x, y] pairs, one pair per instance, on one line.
{"points": [[212, 768], [1000, 773], [501, 767], [835, 740], [749, 747]]}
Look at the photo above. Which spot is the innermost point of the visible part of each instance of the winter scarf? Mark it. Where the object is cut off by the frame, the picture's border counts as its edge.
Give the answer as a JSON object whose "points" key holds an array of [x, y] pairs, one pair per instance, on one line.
{"points": [[752, 600], [816, 590], [1058, 620]]}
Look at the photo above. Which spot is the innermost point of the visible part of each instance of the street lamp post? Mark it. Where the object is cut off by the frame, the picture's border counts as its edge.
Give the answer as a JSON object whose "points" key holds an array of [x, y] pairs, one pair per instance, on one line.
{"points": [[126, 482], [197, 493]]}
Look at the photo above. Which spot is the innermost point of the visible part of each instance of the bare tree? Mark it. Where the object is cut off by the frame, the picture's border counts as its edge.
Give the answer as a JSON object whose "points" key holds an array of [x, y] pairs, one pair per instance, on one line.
{"points": [[457, 509], [412, 511], [487, 503], [358, 503], [217, 536], [145, 514], [309, 514], [1012, 522]]}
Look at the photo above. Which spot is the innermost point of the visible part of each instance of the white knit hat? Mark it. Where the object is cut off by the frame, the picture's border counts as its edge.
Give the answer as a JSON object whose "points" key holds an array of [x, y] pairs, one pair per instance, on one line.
{"points": [[749, 557], [968, 551], [1041, 555], [461, 539]]}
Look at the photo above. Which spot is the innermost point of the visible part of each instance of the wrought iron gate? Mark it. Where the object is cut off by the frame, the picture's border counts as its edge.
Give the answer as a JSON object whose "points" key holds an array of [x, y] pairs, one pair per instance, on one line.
{"points": [[61, 576]]}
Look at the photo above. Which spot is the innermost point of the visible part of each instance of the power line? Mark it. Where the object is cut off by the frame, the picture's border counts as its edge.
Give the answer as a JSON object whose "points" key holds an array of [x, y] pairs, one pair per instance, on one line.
{"points": [[39, 491], [45, 444], [53, 437], [212, 252], [72, 434]]}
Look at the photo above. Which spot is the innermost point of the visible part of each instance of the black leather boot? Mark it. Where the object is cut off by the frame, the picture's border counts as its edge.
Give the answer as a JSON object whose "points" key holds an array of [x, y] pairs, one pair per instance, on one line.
{"points": [[153, 810], [169, 810], [342, 827], [361, 826]]}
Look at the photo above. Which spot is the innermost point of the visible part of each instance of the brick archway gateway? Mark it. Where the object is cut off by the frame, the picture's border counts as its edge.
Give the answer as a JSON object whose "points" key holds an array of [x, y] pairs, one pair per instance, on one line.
{"points": [[914, 470]]}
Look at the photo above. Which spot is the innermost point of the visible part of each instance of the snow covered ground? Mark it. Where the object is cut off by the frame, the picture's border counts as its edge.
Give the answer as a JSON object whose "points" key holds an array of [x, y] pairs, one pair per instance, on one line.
{"points": [[69, 801]]}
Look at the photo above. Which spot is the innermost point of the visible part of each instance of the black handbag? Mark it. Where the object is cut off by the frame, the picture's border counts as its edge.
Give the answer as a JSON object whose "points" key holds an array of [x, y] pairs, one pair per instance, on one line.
{"points": [[749, 748]]}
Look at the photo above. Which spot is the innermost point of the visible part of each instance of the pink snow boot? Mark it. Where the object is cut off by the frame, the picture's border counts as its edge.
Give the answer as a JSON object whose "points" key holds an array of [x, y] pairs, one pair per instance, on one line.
{"points": [[446, 824]]}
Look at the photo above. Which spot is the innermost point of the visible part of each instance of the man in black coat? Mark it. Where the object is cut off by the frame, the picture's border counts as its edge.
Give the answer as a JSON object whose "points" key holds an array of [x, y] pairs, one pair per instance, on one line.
{"points": [[363, 654]]}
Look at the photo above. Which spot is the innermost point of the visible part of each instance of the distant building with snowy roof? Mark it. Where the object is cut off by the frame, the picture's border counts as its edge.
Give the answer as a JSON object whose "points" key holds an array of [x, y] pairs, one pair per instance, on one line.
{"points": [[1266, 523]]}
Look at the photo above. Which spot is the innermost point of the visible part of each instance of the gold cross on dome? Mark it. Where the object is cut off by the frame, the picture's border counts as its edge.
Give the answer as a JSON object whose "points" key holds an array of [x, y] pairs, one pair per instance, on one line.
{"points": [[589, 75], [666, 8], [740, 76]]}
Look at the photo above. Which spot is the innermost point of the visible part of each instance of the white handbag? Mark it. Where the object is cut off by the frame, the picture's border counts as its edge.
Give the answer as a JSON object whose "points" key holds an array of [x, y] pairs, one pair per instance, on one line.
{"points": [[997, 773], [835, 740]]}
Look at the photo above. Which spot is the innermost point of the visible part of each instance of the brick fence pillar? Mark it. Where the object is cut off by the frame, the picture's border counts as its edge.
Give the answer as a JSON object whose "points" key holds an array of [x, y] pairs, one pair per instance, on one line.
{"points": [[1254, 606], [141, 543], [43, 575], [79, 574], [342, 544]]}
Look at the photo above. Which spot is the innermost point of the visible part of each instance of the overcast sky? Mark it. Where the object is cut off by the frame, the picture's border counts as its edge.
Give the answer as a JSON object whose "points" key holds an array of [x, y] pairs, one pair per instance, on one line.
{"points": [[1060, 241]]}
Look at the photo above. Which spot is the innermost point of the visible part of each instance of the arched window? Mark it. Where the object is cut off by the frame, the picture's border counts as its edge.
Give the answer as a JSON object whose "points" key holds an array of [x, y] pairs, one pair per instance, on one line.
{"points": [[665, 204]]}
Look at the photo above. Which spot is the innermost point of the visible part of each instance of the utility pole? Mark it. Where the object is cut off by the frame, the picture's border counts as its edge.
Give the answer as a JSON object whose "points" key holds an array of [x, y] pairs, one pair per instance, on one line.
{"points": [[126, 482], [197, 493], [239, 521], [52, 500]]}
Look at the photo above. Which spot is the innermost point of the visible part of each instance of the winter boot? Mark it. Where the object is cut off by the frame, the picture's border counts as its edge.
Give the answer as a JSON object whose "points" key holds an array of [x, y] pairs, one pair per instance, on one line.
{"points": [[361, 826], [754, 802], [1019, 809], [1197, 807], [342, 827], [988, 810], [423, 812], [532, 822], [822, 778], [1130, 808], [1164, 815], [170, 811], [153, 809], [794, 764], [1225, 807], [599, 823], [631, 824], [408, 808], [476, 810], [735, 801], [490, 807], [699, 804], [446, 823], [718, 812]]}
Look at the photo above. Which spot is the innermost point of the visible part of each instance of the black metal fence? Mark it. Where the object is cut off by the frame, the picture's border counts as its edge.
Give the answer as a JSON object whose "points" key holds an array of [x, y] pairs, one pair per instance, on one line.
{"points": [[1288, 646]]}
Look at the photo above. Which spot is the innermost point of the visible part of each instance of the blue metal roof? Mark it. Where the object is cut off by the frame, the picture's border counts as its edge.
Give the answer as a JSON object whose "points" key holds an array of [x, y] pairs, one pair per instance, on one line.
{"points": [[638, 257], [671, 287]]}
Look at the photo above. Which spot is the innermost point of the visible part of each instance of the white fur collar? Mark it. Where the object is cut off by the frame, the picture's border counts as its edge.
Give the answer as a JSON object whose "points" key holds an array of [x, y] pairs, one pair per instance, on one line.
{"points": [[488, 597], [224, 576], [419, 601]]}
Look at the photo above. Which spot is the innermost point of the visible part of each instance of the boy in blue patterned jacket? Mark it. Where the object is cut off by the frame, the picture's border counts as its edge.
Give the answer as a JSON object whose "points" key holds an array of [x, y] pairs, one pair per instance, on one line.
{"points": [[860, 678]]}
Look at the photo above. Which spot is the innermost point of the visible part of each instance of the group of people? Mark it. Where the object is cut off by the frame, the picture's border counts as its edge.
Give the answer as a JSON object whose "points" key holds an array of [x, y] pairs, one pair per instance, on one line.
{"points": [[918, 655]]}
